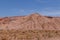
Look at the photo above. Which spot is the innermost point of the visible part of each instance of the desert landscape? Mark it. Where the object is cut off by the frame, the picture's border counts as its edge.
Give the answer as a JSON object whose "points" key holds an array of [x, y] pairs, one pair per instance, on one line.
{"points": [[29, 35], [30, 27]]}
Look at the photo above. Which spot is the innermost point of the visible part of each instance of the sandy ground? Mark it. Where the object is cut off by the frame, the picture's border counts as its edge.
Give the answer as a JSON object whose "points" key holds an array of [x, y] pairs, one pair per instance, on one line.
{"points": [[29, 35]]}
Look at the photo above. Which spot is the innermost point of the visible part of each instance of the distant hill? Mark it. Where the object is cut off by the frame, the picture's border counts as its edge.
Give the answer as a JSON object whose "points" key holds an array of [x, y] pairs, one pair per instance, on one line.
{"points": [[30, 22]]}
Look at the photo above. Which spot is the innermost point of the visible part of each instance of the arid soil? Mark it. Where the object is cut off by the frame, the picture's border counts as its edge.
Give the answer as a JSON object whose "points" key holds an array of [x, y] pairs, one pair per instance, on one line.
{"points": [[29, 35], [30, 27]]}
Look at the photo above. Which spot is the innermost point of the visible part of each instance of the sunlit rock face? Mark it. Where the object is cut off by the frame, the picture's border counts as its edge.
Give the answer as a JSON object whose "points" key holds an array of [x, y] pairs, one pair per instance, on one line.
{"points": [[30, 22]]}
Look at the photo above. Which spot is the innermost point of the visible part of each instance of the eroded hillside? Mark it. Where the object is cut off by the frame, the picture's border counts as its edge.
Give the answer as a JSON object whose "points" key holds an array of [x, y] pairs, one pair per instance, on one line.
{"points": [[30, 22], [30, 27]]}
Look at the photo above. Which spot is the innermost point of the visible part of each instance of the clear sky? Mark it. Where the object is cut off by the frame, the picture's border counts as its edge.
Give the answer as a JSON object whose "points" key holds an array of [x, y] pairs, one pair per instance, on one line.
{"points": [[25, 7]]}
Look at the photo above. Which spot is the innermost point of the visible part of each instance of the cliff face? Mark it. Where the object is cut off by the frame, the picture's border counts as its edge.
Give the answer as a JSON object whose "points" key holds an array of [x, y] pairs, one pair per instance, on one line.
{"points": [[30, 22]]}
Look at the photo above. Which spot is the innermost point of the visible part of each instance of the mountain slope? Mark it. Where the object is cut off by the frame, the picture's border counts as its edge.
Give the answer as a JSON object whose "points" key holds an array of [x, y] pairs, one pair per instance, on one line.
{"points": [[30, 22]]}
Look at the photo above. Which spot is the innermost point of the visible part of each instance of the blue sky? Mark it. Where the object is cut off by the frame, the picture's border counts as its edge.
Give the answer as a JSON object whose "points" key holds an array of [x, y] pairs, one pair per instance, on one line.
{"points": [[25, 7]]}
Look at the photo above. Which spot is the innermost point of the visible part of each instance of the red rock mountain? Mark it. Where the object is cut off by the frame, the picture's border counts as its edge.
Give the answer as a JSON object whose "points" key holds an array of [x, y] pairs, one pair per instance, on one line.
{"points": [[30, 22]]}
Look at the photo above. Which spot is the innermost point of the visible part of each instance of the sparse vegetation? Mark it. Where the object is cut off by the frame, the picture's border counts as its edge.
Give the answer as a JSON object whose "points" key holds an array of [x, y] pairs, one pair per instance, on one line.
{"points": [[27, 35]]}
